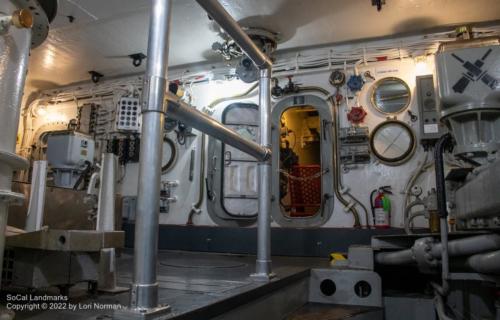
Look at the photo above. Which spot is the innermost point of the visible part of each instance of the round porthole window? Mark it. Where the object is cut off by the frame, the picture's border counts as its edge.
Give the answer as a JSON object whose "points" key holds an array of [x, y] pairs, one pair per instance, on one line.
{"points": [[393, 142], [390, 95]]}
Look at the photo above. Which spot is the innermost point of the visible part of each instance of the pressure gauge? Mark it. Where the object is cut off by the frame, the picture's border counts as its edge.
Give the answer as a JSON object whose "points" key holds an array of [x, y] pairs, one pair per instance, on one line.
{"points": [[337, 78], [393, 142]]}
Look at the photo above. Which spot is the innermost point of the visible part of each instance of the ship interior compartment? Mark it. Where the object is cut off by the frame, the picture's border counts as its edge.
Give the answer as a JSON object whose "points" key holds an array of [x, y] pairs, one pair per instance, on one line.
{"points": [[249, 159]]}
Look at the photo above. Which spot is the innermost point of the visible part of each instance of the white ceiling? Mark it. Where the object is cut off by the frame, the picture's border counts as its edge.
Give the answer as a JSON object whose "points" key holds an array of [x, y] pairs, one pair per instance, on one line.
{"points": [[104, 31]]}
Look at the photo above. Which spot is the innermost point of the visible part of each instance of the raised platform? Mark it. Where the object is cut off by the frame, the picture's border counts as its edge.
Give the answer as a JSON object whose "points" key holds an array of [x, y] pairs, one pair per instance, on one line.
{"points": [[203, 286]]}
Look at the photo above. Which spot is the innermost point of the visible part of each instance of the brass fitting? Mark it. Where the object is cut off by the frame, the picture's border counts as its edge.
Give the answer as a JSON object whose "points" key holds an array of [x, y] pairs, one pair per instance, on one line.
{"points": [[22, 19]]}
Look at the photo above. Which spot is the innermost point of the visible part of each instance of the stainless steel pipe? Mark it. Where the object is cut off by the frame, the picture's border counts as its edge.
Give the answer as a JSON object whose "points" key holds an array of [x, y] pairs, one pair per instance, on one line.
{"points": [[263, 267], [179, 110], [217, 12], [144, 291]]}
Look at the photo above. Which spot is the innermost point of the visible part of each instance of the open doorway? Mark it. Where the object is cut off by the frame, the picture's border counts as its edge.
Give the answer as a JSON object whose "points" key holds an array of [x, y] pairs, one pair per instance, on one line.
{"points": [[300, 170]]}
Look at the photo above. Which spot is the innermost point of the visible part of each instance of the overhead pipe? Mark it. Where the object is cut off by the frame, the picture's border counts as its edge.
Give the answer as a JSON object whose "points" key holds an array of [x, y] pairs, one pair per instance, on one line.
{"points": [[181, 111], [144, 290], [217, 12]]}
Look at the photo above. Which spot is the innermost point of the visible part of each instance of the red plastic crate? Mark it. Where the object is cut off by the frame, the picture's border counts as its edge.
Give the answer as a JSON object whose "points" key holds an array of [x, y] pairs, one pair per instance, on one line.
{"points": [[305, 195]]}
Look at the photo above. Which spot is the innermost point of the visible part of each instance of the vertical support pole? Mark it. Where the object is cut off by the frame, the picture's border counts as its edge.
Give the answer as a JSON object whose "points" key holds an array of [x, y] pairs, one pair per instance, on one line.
{"points": [[34, 218], [144, 291], [145, 287], [263, 270], [106, 222]]}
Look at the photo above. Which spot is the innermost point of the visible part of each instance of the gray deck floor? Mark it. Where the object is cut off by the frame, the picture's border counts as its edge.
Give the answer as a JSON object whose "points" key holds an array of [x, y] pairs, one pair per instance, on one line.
{"points": [[188, 281]]}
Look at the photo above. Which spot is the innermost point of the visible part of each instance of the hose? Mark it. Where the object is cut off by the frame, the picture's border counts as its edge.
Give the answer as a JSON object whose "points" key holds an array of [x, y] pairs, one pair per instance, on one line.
{"points": [[173, 157], [337, 172], [240, 95], [410, 216]]}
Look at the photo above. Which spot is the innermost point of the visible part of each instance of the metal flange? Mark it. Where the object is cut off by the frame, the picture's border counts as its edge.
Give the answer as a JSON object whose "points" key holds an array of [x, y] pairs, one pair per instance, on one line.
{"points": [[11, 198], [423, 255], [13, 160], [40, 29]]}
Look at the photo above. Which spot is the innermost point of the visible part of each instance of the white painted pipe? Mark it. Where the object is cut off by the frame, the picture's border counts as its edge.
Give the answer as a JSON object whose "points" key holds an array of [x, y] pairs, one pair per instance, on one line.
{"points": [[34, 218], [107, 193], [14, 54]]}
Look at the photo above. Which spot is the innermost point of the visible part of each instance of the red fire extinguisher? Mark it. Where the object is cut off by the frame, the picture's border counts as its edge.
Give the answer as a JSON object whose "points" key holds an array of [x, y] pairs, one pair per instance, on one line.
{"points": [[381, 207]]}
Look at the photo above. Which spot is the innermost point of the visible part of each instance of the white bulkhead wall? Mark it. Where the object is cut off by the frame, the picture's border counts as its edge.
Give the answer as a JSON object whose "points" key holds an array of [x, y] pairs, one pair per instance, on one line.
{"points": [[361, 181]]}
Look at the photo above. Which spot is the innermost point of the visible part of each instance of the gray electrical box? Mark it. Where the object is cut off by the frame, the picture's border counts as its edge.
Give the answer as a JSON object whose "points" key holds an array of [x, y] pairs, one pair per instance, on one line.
{"points": [[430, 126], [68, 153]]}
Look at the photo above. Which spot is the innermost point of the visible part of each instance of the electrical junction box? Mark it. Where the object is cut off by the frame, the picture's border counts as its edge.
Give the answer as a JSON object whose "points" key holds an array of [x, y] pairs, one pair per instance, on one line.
{"points": [[354, 145], [430, 126], [128, 115], [69, 150]]}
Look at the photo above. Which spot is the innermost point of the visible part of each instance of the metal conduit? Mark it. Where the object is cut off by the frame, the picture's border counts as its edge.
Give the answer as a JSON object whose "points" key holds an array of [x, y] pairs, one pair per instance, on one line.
{"points": [[217, 12], [179, 110], [144, 291]]}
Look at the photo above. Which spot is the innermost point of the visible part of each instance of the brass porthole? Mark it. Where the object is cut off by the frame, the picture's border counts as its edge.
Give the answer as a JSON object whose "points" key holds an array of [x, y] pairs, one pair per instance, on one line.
{"points": [[390, 95], [393, 142]]}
